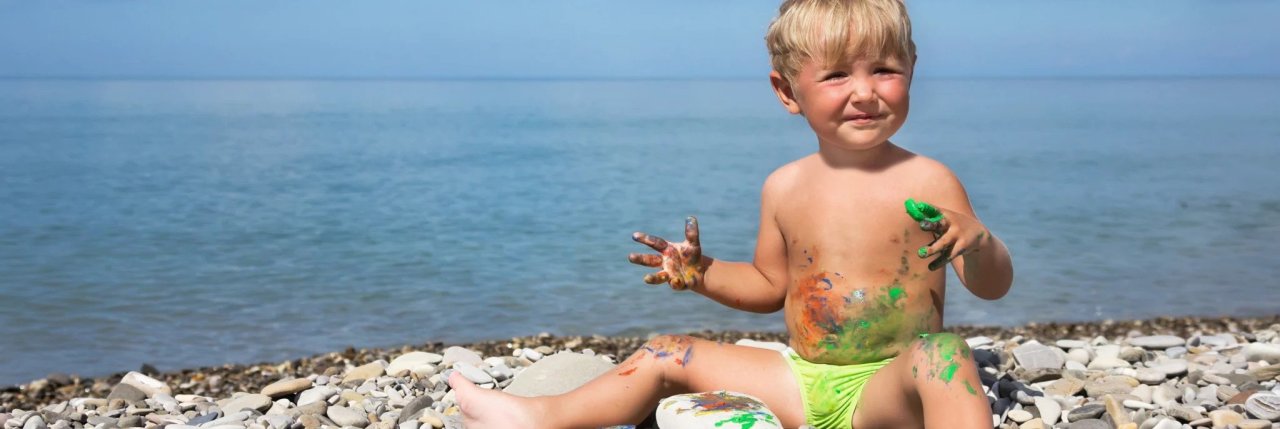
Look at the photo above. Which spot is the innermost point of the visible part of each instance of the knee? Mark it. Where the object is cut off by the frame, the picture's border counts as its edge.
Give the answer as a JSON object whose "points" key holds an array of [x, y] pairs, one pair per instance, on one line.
{"points": [[939, 357], [670, 350]]}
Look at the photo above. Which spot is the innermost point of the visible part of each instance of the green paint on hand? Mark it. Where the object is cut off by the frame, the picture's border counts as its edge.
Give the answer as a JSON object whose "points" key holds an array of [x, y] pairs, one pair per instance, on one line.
{"points": [[922, 211], [923, 252]]}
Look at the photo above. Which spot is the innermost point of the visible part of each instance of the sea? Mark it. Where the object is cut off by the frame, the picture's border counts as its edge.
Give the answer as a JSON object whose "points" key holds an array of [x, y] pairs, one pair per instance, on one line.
{"points": [[187, 223]]}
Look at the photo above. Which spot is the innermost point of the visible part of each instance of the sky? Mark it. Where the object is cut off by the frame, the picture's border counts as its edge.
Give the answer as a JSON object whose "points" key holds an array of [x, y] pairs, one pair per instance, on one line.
{"points": [[609, 39]]}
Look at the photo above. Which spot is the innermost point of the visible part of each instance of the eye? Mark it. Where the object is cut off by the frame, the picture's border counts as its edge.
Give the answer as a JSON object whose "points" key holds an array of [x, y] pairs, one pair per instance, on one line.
{"points": [[886, 70], [834, 75]]}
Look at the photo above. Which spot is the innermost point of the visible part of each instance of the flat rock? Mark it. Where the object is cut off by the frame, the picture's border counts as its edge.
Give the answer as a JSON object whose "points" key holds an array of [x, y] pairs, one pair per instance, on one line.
{"points": [[1088, 424], [556, 374], [1171, 367], [286, 387], [1033, 356], [1070, 344], [1020, 416], [457, 354], [127, 392], [1161, 342], [1104, 363], [252, 401], [1255, 424], [715, 410], [1265, 406], [476, 375], [1254, 352], [1064, 387], [1224, 418], [318, 393], [1091, 411], [1167, 423], [1150, 376], [408, 361], [1049, 410], [146, 384], [347, 417], [413, 407], [367, 371]]}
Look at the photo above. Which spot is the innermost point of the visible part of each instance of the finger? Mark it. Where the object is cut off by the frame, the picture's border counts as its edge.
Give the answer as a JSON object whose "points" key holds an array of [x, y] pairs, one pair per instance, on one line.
{"points": [[677, 283], [648, 260], [691, 231], [921, 211], [657, 278], [941, 226], [928, 225], [655, 242], [941, 261], [939, 244]]}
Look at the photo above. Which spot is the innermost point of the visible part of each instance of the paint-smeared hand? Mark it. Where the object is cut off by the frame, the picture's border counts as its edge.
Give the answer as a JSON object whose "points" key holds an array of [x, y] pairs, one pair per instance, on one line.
{"points": [[955, 234], [682, 264]]}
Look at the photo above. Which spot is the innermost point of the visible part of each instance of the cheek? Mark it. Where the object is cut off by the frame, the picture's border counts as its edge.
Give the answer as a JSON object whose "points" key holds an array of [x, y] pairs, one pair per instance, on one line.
{"points": [[895, 93]]}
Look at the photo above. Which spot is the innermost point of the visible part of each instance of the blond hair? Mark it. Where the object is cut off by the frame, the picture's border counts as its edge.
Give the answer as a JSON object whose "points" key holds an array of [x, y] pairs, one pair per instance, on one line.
{"points": [[831, 31]]}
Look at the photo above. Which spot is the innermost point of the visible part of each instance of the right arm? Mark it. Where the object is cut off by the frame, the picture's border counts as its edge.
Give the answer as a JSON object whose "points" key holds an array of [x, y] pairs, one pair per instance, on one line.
{"points": [[759, 286]]}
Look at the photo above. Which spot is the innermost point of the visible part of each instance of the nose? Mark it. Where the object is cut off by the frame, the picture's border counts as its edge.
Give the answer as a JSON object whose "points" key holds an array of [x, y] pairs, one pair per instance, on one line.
{"points": [[862, 91]]}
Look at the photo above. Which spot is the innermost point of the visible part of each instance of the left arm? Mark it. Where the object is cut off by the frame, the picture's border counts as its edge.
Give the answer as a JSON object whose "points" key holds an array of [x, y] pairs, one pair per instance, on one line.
{"points": [[980, 259]]}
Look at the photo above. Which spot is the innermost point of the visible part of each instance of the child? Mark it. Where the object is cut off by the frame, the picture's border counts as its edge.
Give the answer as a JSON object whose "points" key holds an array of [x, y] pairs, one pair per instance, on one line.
{"points": [[835, 252]]}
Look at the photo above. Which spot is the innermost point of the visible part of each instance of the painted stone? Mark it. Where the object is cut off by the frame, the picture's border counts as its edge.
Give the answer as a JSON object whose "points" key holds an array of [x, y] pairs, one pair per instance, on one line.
{"points": [[715, 410]]}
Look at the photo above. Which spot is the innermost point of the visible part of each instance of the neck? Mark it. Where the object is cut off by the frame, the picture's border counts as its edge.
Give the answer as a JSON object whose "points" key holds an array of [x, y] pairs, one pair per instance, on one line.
{"points": [[874, 158]]}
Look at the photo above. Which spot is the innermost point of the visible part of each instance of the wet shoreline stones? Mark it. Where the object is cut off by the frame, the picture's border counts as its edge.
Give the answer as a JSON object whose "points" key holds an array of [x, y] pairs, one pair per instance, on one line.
{"points": [[1157, 373]]}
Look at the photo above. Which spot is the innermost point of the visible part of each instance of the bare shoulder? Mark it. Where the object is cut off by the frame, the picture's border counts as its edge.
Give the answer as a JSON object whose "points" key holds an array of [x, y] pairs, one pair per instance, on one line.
{"points": [[784, 177], [930, 175]]}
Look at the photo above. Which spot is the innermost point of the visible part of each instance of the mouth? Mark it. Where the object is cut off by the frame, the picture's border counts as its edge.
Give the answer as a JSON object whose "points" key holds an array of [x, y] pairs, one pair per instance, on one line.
{"points": [[864, 117]]}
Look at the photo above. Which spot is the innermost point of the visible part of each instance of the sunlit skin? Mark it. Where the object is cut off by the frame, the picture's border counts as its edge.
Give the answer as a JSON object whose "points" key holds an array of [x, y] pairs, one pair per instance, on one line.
{"points": [[839, 255]]}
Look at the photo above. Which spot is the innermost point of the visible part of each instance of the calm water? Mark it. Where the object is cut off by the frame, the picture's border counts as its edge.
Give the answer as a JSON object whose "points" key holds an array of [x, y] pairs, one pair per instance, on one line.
{"points": [[202, 222]]}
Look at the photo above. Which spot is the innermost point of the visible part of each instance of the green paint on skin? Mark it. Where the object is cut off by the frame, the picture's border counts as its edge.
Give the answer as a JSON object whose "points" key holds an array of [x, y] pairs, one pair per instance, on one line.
{"points": [[942, 351], [922, 211], [923, 252], [879, 327]]}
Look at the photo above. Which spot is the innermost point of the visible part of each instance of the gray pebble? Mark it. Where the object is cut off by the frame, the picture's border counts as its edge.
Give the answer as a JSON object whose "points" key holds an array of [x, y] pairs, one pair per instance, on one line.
{"points": [[1088, 424]]}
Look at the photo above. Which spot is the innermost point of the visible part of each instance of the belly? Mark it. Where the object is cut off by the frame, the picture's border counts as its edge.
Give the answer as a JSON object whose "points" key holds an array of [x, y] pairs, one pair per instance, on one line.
{"points": [[834, 320]]}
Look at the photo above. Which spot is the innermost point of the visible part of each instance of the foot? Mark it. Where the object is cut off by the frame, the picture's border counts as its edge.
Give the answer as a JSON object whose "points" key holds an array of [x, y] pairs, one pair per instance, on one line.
{"points": [[484, 408]]}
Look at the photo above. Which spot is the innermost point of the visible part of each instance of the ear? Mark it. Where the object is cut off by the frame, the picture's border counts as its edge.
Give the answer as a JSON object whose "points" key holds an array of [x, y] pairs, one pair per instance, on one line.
{"points": [[785, 94], [914, 59]]}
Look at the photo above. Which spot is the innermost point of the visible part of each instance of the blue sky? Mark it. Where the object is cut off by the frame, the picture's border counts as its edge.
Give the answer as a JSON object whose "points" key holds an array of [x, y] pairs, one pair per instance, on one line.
{"points": [[610, 39]]}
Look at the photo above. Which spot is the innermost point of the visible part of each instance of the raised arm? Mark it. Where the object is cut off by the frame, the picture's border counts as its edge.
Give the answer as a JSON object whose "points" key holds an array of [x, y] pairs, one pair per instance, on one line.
{"points": [[981, 260], [759, 286]]}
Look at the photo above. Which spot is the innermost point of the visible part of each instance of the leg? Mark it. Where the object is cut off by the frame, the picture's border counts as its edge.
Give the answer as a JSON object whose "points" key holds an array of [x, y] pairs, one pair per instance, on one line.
{"points": [[666, 365], [933, 384]]}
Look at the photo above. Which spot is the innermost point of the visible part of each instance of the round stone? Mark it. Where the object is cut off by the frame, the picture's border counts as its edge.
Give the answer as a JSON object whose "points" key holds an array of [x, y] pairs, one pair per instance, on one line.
{"points": [[1264, 406], [347, 417], [715, 410], [1020, 416]]}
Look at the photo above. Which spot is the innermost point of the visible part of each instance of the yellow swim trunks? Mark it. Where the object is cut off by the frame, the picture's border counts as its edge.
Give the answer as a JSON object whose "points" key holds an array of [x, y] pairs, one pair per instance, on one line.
{"points": [[830, 392]]}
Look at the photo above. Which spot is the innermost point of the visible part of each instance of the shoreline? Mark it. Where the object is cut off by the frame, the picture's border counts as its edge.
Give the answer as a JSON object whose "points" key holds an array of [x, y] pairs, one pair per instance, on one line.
{"points": [[225, 380], [1162, 373]]}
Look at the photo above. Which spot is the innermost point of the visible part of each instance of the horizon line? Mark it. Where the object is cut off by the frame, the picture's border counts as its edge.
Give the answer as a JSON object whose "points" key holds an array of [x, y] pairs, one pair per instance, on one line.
{"points": [[600, 78]]}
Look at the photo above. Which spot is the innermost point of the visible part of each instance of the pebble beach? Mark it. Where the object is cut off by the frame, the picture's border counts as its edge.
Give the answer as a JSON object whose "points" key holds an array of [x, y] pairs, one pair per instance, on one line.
{"points": [[1164, 373]]}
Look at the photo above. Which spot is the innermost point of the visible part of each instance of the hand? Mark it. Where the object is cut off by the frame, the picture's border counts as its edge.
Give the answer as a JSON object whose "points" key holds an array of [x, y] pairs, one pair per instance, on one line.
{"points": [[955, 234], [683, 265]]}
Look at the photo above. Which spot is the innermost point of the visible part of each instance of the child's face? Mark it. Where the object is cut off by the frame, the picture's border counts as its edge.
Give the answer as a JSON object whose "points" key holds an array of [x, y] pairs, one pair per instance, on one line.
{"points": [[856, 105]]}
